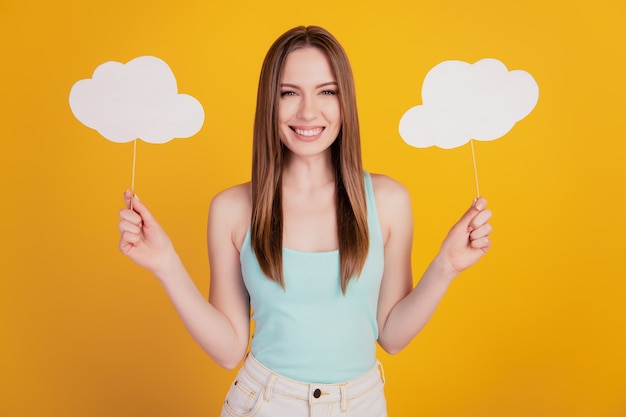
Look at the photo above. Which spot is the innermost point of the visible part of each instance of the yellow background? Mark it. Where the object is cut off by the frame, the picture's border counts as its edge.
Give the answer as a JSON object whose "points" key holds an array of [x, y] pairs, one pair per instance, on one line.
{"points": [[536, 329]]}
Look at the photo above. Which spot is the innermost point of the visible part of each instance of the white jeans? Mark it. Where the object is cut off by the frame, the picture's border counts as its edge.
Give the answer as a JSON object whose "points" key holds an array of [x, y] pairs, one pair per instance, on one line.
{"points": [[259, 392]]}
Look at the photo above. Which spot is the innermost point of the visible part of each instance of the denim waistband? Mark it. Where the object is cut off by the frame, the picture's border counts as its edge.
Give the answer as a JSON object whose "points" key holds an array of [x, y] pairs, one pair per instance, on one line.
{"points": [[313, 393]]}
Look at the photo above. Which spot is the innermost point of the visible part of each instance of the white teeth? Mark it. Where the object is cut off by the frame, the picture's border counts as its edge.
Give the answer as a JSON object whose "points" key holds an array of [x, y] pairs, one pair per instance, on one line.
{"points": [[312, 132]]}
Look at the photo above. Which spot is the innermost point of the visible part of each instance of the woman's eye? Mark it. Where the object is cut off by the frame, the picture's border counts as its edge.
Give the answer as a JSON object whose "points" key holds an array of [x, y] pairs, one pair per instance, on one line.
{"points": [[287, 93], [329, 92]]}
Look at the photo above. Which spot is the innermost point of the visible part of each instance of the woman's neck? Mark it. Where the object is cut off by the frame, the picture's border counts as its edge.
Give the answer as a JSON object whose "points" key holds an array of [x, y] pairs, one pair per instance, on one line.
{"points": [[308, 172]]}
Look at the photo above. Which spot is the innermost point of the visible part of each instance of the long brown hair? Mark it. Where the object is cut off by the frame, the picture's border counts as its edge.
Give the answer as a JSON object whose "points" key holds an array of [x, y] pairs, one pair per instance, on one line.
{"points": [[268, 157]]}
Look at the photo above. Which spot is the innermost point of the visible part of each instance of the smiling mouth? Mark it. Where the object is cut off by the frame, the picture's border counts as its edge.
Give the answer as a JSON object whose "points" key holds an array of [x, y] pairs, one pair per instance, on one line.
{"points": [[308, 132]]}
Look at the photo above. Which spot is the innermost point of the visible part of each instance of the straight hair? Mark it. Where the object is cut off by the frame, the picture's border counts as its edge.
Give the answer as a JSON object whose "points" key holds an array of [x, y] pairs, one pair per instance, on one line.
{"points": [[268, 155]]}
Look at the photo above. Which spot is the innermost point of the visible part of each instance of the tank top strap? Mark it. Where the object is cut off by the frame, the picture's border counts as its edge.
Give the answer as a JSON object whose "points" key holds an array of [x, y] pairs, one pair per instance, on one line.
{"points": [[372, 213]]}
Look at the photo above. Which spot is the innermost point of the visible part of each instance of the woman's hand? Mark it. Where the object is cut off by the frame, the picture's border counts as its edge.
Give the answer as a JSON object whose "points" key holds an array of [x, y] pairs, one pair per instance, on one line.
{"points": [[468, 240], [141, 238]]}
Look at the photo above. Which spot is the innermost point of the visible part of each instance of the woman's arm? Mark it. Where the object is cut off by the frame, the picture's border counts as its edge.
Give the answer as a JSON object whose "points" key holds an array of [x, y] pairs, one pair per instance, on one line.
{"points": [[403, 311], [221, 327]]}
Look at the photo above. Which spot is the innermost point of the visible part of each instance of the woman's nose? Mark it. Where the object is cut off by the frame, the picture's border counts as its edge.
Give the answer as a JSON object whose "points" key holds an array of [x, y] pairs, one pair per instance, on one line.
{"points": [[308, 108]]}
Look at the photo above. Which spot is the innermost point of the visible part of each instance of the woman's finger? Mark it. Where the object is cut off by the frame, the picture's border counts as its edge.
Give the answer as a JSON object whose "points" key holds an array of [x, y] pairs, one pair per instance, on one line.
{"points": [[140, 209], [128, 195], [130, 216], [481, 218], [469, 216], [132, 238], [129, 227], [480, 232], [128, 241], [483, 243]]}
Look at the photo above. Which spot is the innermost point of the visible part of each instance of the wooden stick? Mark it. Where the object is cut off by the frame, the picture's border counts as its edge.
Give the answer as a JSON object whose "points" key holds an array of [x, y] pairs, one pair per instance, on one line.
{"points": [[132, 181], [475, 170]]}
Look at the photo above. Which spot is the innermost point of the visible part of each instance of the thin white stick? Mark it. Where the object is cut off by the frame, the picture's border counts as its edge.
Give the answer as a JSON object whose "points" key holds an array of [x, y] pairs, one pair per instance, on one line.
{"points": [[475, 170], [132, 181]]}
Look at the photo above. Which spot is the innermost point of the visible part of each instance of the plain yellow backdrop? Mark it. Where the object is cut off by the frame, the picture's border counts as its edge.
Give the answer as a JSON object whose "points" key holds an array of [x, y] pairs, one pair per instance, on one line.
{"points": [[536, 329]]}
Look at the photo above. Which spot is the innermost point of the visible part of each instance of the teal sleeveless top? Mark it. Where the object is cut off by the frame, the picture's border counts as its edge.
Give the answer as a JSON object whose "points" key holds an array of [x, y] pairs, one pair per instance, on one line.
{"points": [[311, 331]]}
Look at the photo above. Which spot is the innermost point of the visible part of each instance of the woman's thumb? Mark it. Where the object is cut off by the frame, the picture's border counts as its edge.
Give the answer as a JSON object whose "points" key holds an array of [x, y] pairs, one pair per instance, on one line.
{"points": [[477, 206]]}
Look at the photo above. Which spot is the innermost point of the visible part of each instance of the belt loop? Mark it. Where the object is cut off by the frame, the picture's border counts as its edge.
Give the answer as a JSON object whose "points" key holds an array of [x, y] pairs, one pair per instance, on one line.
{"points": [[381, 371], [344, 398], [269, 387]]}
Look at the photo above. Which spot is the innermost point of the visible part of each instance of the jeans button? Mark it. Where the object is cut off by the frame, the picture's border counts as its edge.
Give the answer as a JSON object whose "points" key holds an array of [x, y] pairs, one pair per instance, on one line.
{"points": [[317, 393]]}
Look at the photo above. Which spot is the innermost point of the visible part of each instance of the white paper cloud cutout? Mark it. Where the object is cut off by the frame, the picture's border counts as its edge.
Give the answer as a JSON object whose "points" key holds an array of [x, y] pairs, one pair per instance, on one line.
{"points": [[463, 101], [136, 100]]}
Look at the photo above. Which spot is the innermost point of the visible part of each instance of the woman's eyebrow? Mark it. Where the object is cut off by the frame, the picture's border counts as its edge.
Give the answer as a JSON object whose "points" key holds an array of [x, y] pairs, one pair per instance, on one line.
{"points": [[333, 83]]}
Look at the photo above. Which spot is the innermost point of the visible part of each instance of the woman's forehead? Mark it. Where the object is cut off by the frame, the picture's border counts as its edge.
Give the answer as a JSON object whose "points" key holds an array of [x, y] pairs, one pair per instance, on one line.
{"points": [[308, 64]]}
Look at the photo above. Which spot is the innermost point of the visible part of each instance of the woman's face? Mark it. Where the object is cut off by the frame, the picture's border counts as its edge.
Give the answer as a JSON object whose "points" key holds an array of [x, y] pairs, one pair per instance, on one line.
{"points": [[309, 114]]}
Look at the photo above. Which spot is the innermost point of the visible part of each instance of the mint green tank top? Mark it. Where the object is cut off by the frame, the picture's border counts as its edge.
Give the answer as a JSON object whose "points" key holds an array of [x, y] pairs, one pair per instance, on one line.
{"points": [[312, 332]]}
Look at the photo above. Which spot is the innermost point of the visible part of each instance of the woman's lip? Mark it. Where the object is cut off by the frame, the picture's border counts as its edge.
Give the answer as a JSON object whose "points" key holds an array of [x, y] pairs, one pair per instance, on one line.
{"points": [[308, 133]]}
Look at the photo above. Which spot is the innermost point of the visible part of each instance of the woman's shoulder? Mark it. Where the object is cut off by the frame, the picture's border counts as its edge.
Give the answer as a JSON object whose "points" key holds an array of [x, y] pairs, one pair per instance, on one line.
{"points": [[393, 203], [230, 212], [233, 203], [239, 194], [386, 187]]}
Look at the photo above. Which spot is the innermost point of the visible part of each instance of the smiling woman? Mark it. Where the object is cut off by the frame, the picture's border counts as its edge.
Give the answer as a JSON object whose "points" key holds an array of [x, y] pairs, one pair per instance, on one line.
{"points": [[318, 248]]}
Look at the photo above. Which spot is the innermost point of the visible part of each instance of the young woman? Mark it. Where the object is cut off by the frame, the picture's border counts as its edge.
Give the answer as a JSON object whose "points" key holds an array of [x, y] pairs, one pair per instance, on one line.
{"points": [[318, 248]]}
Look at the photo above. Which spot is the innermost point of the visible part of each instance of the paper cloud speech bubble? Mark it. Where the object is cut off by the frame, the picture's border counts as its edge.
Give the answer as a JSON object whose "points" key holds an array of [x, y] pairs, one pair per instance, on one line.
{"points": [[136, 100], [464, 101]]}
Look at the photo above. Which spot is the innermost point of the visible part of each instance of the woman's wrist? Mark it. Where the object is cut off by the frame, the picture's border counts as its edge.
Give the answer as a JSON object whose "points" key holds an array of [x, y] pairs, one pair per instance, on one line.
{"points": [[169, 268], [443, 269]]}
